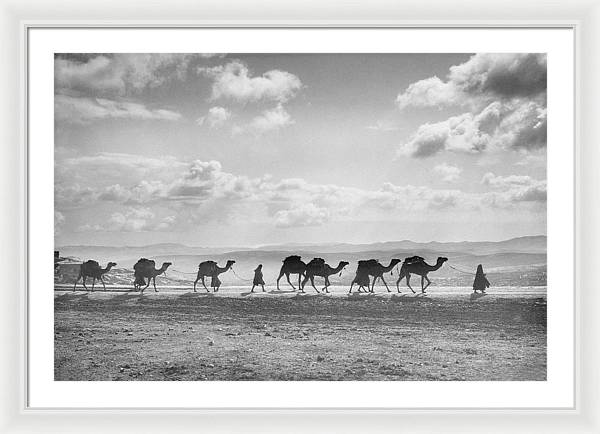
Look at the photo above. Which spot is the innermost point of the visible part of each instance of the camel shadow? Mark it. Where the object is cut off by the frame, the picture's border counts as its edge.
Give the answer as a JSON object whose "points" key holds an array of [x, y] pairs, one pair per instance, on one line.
{"points": [[72, 296], [280, 291], [360, 295], [125, 297], [410, 298], [474, 296], [304, 296], [192, 295]]}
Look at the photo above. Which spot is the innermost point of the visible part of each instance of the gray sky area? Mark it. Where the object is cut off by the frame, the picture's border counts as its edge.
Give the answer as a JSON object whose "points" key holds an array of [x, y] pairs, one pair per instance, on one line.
{"points": [[250, 149]]}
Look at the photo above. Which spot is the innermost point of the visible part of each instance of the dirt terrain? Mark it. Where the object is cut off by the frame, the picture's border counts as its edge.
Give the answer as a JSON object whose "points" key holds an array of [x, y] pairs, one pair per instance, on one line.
{"points": [[181, 335]]}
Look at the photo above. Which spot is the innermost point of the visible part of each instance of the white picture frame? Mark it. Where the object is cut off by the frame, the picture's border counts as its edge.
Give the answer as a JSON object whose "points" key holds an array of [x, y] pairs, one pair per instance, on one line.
{"points": [[18, 18]]}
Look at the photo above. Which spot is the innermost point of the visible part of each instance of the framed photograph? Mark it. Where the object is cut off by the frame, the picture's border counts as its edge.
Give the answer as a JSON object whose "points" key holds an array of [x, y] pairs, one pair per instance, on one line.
{"points": [[376, 224]]}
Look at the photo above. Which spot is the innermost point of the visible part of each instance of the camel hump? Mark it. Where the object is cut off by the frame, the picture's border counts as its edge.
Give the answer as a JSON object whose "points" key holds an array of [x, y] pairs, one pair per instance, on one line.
{"points": [[368, 262], [91, 263], [143, 263], [292, 258], [413, 260], [207, 264], [317, 261]]}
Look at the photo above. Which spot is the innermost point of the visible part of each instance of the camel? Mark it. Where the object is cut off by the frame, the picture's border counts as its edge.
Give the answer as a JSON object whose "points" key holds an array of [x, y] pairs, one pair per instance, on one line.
{"points": [[417, 265], [292, 265], [318, 267], [215, 282], [372, 267], [208, 268], [144, 269], [92, 269]]}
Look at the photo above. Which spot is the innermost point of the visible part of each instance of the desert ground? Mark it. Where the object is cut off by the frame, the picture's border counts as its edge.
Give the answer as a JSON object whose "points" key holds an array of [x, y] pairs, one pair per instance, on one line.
{"points": [[177, 334]]}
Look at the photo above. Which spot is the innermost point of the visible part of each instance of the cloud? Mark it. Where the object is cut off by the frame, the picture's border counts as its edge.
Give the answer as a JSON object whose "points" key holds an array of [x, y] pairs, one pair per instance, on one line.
{"points": [[59, 221], [301, 215], [268, 120], [84, 110], [131, 220], [481, 79], [216, 117], [512, 125], [234, 81], [382, 126], [198, 191], [119, 74], [515, 188], [448, 173]]}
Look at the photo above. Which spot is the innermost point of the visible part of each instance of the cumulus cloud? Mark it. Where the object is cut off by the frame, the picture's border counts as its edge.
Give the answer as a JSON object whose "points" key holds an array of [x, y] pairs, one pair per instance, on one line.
{"points": [[235, 81], [201, 190], [516, 126], [216, 117], [514, 188], [484, 77], [448, 172], [269, 120], [118, 74], [83, 110]]}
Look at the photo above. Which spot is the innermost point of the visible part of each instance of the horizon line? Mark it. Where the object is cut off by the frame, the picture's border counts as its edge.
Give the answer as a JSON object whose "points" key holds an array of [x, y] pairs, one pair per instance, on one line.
{"points": [[258, 246]]}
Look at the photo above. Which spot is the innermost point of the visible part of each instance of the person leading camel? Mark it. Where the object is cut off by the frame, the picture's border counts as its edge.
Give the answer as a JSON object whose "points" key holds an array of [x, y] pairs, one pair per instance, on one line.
{"points": [[258, 278], [480, 282]]}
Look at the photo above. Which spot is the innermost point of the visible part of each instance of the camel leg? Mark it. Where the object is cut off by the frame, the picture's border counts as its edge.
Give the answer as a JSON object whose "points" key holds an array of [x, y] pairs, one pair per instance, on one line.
{"points": [[252, 290], [263, 288], [154, 283], [288, 279], [84, 279], [351, 285], [300, 277], [93, 283], [428, 283], [76, 281], [373, 284], [327, 284], [304, 281], [312, 282], [195, 282], [386, 286], [204, 284], [408, 283], [401, 276], [103, 285], [280, 276]]}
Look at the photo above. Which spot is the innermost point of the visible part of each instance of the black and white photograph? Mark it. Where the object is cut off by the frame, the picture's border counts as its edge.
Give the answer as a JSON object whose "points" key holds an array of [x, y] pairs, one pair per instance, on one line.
{"points": [[300, 216]]}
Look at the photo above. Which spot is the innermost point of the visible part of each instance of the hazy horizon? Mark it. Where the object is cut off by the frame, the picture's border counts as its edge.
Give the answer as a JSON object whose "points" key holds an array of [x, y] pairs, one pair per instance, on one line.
{"points": [[263, 149]]}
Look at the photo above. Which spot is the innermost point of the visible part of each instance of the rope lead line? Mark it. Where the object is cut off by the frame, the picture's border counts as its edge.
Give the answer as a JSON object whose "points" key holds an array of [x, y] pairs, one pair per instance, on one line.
{"points": [[465, 272]]}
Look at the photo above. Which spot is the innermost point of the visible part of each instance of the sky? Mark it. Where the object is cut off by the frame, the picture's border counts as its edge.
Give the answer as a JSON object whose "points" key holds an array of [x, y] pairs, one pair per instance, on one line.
{"points": [[254, 149]]}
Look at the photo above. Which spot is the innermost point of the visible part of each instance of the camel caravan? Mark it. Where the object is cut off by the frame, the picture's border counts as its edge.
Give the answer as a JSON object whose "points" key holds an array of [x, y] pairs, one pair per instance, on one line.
{"points": [[368, 272]]}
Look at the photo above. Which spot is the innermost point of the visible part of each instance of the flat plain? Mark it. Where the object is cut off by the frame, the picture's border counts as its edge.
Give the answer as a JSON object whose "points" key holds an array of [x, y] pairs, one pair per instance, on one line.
{"points": [[281, 335]]}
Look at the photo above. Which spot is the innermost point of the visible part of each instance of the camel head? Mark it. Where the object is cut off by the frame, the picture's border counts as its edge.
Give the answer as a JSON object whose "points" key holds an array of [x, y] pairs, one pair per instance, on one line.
{"points": [[344, 264], [165, 265], [230, 263], [395, 261], [111, 264], [441, 260]]}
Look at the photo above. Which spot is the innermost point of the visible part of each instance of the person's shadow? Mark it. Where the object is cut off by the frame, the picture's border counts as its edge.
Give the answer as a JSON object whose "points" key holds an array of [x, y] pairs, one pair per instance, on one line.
{"points": [[477, 295]]}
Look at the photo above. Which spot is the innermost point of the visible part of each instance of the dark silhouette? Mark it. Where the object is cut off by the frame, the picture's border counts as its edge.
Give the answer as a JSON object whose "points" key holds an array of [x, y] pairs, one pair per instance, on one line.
{"points": [[372, 267], [417, 265], [258, 278], [480, 283], [318, 267], [208, 269], [92, 269], [215, 282], [292, 265], [145, 269]]}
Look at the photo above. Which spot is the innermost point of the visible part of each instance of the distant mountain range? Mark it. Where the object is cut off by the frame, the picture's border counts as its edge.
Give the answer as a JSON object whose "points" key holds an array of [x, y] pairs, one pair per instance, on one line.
{"points": [[530, 244]]}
